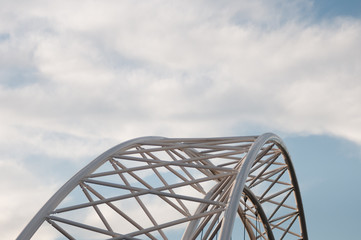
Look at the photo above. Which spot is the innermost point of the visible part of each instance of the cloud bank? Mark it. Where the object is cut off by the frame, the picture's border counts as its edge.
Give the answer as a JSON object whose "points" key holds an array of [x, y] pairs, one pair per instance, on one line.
{"points": [[77, 78]]}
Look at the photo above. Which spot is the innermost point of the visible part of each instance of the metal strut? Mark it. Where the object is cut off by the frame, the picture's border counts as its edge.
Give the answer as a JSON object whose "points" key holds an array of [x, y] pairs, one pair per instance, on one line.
{"points": [[198, 182]]}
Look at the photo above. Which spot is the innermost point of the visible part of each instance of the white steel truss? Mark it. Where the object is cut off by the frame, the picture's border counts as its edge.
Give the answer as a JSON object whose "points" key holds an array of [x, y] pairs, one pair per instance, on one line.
{"points": [[179, 188]]}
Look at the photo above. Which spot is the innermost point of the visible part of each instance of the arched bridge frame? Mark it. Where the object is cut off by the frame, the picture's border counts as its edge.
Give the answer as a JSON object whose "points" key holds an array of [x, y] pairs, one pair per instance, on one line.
{"points": [[172, 188]]}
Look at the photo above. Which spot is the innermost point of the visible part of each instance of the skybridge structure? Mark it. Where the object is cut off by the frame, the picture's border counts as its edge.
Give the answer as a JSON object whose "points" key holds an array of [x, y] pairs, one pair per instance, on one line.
{"points": [[179, 188]]}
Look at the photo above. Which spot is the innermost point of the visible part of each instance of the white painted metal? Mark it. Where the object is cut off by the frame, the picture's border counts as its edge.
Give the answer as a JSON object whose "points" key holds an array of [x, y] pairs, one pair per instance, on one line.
{"points": [[231, 210], [203, 184], [54, 201]]}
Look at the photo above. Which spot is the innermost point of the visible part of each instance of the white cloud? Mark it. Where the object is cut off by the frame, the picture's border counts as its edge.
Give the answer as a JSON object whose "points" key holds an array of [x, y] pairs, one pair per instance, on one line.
{"points": [[25, 194], [79, 77]]}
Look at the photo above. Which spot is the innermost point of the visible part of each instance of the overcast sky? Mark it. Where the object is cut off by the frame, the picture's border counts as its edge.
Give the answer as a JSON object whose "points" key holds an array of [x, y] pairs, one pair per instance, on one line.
{"points": [[77, 77]]}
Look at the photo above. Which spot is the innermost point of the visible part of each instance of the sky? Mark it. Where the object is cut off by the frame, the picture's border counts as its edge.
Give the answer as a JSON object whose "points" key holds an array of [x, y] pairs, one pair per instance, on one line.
{"points": [[78, 77]]}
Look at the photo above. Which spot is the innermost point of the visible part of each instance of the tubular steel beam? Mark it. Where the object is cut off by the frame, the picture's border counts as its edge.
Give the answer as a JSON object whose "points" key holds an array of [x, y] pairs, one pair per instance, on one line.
{"points": [[200, 181], [55, 200]]}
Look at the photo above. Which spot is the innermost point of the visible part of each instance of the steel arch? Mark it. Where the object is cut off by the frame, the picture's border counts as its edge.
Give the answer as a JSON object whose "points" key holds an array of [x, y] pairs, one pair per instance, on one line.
{"points": [[209, 187]]}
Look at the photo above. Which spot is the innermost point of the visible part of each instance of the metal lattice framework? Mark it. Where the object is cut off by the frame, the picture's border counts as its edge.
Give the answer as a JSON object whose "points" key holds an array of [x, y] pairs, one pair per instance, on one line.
{"points": [[179, 188]]}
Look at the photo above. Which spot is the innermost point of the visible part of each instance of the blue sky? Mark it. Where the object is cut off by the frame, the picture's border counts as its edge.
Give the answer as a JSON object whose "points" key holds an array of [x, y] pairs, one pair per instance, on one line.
{"points": [[329, 173], [333, 8], [77, 78]]}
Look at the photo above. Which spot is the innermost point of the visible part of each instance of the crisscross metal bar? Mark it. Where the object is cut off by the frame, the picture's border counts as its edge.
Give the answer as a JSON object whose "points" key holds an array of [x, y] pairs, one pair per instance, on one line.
{"points": [[202, 181]]}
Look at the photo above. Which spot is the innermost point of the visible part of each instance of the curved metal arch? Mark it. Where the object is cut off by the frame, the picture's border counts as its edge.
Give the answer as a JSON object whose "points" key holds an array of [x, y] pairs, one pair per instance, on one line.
{"points": [[230, 213], [219, 169], [59, 196], [249, 194]]}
